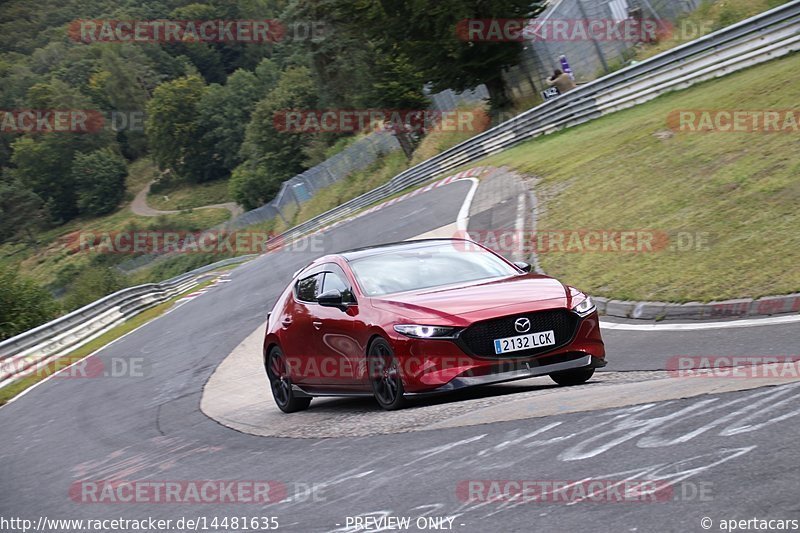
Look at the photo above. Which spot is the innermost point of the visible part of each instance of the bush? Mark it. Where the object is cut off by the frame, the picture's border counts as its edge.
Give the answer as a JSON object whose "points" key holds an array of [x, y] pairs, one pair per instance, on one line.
{"points": [[175, 266], [23, 304], [92, 284], [252, 187], [99, 178]]}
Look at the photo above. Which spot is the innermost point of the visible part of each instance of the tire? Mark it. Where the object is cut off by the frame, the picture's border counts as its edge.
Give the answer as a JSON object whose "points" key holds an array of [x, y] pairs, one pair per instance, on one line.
{"points": [[384, 376], [281, 383], [569, 378]]}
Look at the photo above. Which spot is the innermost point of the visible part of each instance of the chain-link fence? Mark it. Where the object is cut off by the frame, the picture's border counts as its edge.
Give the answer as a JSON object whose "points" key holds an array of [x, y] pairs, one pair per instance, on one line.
{"points": [[588, 58], [357, 156], [447, 100], [302, 187]]}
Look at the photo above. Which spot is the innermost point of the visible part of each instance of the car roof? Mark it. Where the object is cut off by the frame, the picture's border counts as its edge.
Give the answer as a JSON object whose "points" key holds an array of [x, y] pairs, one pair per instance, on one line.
{"points": [[367, 251]]}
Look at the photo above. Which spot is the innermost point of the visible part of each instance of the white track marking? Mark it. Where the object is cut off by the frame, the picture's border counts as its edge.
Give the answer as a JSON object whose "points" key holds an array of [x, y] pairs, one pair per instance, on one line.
{"points": [[519, 224], [463, 213], [740, 323], [82, 360]]}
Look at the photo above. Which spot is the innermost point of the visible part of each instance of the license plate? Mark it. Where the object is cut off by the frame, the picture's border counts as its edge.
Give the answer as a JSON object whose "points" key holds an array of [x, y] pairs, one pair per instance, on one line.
{"points": [[524, 342]]}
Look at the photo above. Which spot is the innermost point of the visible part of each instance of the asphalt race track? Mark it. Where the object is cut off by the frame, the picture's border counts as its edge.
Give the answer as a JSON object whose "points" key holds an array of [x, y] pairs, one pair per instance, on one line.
{"points": [[729, 456]]}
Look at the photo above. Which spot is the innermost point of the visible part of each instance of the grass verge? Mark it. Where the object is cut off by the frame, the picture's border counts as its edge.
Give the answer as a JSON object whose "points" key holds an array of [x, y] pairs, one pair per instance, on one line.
{"points": [[737, 192], [708, 18], [58, 255], [188, 196]]}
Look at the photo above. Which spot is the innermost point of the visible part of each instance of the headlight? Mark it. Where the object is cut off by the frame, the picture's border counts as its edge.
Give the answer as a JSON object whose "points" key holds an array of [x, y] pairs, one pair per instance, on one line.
{"points": [[585, 308], [425, 332]]}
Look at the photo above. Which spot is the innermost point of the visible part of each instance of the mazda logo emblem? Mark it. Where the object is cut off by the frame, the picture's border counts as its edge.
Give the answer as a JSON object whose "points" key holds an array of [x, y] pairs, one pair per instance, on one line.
{"points": [[522, 325]]}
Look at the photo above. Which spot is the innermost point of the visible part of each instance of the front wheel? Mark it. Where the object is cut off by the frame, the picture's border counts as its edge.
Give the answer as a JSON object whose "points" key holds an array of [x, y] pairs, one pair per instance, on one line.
{"points": [[281, 383], [569, 378], [384, 375]]}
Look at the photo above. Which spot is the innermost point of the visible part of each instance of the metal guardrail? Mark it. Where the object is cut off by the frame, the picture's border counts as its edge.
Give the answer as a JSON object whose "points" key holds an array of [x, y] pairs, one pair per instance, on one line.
{"points": [[766, 36], [49, 341]]}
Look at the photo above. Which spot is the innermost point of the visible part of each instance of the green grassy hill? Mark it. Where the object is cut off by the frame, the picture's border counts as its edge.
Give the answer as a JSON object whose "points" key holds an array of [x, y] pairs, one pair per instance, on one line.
{"points": [[629, 171]]}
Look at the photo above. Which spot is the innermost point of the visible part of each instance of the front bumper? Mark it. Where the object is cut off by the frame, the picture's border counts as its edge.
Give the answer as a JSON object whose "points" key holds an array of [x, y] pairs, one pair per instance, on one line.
{"points": [[432, 366]]}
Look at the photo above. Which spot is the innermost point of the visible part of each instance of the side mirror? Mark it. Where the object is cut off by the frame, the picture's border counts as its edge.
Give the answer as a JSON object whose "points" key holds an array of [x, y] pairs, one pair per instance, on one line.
{"points": [[332, 298], [522, 265]]}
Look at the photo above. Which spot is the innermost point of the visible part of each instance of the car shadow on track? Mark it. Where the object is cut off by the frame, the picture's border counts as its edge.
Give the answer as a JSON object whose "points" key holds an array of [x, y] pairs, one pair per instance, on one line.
{"points": [[509, 390]]}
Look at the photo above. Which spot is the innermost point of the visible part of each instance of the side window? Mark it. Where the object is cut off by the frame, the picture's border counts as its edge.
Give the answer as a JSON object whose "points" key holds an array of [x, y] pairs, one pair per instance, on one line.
{"points": [[336, 280], [307, 289]]}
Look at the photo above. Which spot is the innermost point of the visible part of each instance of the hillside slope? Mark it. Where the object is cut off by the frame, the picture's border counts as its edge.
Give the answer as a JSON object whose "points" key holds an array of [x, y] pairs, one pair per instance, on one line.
{"points": [[735, 193]]}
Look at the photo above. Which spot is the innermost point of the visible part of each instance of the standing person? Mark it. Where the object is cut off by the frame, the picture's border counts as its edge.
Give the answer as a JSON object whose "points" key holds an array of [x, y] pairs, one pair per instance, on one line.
{"points": [[562, 81]]}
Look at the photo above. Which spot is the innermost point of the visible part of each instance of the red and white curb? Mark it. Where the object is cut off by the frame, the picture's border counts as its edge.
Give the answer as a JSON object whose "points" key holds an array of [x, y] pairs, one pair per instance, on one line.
{"points": [[471, 173], [225, 278]]}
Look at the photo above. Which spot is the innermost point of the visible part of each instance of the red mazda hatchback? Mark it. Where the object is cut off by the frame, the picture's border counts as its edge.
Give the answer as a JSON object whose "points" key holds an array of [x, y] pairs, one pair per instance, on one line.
{"points": [[423, 317]]}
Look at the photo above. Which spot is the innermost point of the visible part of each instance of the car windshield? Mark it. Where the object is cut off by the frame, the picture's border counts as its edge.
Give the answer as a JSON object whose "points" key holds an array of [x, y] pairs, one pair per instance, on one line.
{"points": [[424, 267]]}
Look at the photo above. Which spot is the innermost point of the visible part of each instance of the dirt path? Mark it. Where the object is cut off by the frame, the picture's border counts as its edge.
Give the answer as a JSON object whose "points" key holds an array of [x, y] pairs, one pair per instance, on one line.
{"points": [[139, 206]]}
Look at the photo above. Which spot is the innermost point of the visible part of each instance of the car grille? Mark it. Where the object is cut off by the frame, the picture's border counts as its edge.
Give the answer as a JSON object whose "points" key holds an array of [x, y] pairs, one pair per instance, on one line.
{"points": [[478, 339]]}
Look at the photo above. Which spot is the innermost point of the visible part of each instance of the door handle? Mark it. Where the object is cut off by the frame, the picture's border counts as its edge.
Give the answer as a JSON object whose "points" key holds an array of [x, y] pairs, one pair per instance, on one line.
{"points": [[317, 324], [287, 321]]}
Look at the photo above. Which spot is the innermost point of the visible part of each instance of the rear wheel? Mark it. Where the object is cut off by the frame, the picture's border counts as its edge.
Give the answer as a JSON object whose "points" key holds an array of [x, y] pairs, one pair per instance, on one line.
{"points": [[384, 375], [281, 383], [577, 376]]}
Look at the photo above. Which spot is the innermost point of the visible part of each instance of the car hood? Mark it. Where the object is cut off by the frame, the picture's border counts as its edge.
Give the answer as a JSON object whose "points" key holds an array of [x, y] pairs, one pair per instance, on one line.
{"points": [[516, 294]]}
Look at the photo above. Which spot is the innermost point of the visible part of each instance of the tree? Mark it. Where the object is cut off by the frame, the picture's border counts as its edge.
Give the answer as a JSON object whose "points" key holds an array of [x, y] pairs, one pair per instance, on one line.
{"points": [[397, 84], [122, 86], [426, 33], [23, 304], [171, 126], [252, 186], [273, 156], [281, 151], [223, 113], [42, 164], [215, 61], [341, 61], [21, 210], [267, 76], [100, 181], [42, 161]]}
